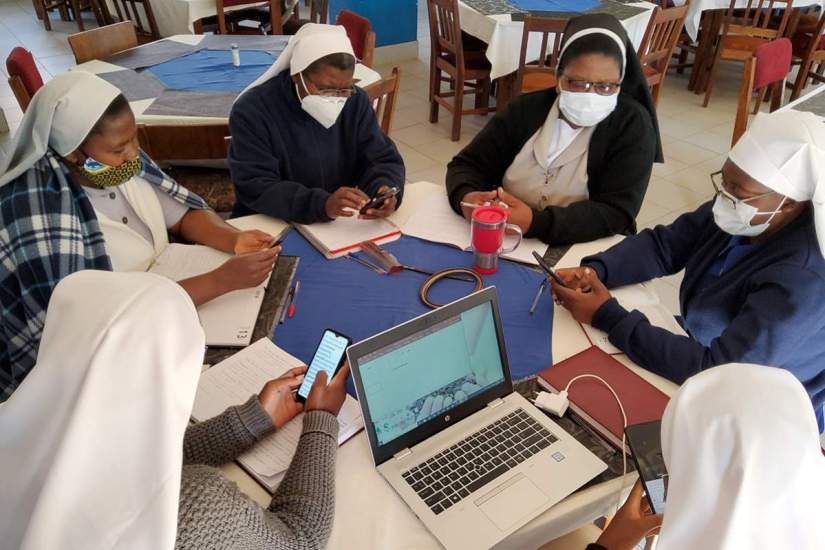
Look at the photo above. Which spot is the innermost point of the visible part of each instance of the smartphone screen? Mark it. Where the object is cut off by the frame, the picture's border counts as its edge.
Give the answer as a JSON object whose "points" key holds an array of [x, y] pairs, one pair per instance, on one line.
{"points": [[328, 357], [646, 446]]}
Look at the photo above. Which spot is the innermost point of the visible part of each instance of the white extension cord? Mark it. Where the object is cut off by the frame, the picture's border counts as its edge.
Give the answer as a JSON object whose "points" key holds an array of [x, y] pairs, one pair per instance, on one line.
{"points": [[557, 404]]}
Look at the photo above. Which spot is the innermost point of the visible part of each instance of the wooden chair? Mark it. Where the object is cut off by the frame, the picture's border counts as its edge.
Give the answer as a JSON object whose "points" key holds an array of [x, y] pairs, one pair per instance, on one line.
{"points": [[24, 78], [656, 49], [464, 69], [66, 7], [541, 73], [127, 10], [193, 142], [102, 42], [227, 23], [383, 95], [811, 47], [318, 11], [766, 68], [360, 33], [743, 31]]}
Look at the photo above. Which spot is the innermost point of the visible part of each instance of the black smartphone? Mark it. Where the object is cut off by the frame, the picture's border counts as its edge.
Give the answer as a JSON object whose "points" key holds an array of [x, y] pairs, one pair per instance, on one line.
{"points": [[549, 270], [329, 356], [378, 200], [645, 443]]}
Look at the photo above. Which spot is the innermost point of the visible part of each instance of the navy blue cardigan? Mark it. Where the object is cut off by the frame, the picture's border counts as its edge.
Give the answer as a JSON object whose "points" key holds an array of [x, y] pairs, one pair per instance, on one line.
{"points": [[285, 164], [768, 308]]}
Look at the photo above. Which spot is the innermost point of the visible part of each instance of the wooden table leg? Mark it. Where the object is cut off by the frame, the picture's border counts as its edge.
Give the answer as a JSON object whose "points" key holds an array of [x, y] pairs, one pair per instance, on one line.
{"points": [[711, 23], [197, 26]]}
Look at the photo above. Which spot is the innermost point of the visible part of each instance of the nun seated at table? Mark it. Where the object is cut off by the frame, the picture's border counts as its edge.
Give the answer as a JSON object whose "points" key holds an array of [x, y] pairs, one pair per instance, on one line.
{"points": [[744, 468], [97, 450], [306, 146], [572, 164], [76, 192], [754, 273]]}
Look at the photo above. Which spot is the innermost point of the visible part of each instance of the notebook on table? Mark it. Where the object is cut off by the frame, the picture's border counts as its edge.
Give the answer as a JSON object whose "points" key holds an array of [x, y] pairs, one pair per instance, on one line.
{"points": [[227, 320], [594, 403], [232, 381], [344, 234]]}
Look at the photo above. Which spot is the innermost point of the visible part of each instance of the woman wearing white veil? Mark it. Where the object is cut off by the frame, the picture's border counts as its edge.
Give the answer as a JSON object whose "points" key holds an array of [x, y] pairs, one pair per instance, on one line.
{"points": [[92, 442]]}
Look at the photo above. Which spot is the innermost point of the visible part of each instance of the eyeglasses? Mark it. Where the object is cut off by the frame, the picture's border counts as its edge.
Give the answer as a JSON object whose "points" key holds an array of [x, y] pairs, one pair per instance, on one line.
{"points": [[719, 186], [337, 92], [601, 88]]}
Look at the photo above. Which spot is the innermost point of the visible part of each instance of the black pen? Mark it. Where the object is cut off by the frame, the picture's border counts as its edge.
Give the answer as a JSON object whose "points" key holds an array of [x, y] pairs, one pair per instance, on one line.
{"points": [[287, 303]]}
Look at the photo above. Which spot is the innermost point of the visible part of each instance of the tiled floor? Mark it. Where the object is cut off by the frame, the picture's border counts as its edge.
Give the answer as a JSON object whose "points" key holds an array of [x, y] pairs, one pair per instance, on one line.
{"points": [[695, 139]]}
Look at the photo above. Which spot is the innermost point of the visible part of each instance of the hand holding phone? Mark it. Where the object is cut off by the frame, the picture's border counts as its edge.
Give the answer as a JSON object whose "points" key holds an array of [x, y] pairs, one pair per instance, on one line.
{"points": [[378, 200], [549, 270], [329, 356]]}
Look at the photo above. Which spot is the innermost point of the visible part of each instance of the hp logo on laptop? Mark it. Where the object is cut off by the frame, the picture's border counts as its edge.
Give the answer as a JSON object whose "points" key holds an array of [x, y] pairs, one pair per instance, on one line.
{"points": [[447, 418]]}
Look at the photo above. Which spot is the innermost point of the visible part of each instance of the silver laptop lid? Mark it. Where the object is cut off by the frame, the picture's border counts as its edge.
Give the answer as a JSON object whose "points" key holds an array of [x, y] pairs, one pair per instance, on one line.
{"points": [[418, 378]]}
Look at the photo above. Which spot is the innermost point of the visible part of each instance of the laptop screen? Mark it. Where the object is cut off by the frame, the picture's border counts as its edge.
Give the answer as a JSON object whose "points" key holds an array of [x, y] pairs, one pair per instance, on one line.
{"points": [[430, 372]]}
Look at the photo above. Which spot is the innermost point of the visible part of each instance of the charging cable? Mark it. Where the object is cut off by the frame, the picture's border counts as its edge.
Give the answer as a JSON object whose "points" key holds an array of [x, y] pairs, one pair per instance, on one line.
{"points": [[557, 404]]}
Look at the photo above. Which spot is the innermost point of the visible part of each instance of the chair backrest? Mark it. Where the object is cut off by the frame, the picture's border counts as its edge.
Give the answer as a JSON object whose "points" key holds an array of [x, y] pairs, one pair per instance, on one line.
{"points": [[319, 11], [359, 31], [383, 95], [188, 142], [756, 18], [445, 31], [769, 65], [773, 62], [24, 78], [540, 73], [275, 15], [103, 42], [661, 37], [127, 10]]}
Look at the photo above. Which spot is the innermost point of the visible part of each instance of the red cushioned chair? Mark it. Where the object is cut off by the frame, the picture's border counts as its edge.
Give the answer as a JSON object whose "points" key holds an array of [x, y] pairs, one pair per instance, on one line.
{"points": [[359, 31], [809, 48], [24, 78], [768, 67]]}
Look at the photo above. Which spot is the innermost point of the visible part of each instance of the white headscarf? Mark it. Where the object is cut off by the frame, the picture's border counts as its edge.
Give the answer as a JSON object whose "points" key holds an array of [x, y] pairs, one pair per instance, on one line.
{"points": [[61, 114], [745, 467], [312, 42], [785, 152], [91, 442]]}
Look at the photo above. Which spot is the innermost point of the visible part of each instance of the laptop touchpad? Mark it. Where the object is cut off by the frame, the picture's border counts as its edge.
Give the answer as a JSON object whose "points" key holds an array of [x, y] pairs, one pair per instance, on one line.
{"points": [[511, 501]]}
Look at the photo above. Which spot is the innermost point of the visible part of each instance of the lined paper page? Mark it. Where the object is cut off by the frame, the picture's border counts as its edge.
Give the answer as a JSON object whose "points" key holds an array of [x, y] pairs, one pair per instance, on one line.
{"points": [[232, 381]]}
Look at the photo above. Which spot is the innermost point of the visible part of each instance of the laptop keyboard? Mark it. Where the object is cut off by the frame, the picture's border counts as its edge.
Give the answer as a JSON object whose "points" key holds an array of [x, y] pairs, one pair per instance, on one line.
{"points": [[450, 476]]}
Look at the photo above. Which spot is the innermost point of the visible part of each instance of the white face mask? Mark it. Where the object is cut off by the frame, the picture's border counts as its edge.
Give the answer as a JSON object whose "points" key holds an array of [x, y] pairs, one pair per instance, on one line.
{"points": [[736, 220], [325, 110], [586, 108]]}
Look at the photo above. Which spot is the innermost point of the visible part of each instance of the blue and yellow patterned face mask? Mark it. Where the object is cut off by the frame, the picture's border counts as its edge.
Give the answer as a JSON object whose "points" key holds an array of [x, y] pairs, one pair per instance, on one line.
{"points": [[104, 176]]}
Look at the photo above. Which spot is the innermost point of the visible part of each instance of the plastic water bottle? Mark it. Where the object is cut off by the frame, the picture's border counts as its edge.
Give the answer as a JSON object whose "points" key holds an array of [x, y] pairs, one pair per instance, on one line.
{"points": [[236, 55]]}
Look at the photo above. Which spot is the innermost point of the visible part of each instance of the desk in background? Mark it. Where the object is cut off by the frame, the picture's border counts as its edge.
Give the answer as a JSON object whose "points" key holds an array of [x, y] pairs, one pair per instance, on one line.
{"points": [[155, 103]]}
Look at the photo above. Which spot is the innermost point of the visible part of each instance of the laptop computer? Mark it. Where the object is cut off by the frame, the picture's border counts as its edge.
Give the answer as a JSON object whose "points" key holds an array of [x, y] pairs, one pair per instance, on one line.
{"points": [[472, 459]]}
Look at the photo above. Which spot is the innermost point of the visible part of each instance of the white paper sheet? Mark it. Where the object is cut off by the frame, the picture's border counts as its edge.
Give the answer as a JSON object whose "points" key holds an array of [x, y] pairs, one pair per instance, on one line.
{"points": [[261, 222], [432, 219], [227, 320], [233, 380]]}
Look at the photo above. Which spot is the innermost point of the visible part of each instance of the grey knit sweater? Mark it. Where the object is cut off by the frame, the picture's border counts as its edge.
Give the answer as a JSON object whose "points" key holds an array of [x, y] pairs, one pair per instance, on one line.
{"points": [[215, 514]]}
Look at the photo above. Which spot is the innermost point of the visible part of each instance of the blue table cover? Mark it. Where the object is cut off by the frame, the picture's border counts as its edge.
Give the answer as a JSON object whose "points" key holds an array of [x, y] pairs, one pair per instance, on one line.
{"points": [[557, 5], [212, 70], [346, 296]]}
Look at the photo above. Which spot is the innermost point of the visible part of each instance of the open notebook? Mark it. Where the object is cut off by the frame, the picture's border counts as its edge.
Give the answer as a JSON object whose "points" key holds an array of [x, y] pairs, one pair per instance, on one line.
{"points": [[227, 320], [432, 219], [342, 235], [232, 381]]}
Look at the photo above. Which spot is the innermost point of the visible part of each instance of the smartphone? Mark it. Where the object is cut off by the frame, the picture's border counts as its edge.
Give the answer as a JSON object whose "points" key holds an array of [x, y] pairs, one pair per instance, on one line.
{"points": [[549, 270], [329, 356], [645, 443], [378, 200]]}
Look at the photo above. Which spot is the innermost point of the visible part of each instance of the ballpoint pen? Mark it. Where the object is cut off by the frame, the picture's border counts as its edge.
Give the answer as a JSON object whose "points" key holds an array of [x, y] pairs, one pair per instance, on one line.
{"points": [[535, 304], [288, 304], [291, 310]]}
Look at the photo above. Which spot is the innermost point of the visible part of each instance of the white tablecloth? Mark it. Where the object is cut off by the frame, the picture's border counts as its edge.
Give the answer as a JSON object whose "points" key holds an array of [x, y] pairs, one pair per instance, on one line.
{"points": [[503, 36], [369, 514], [694, 14], [363, 74]]}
